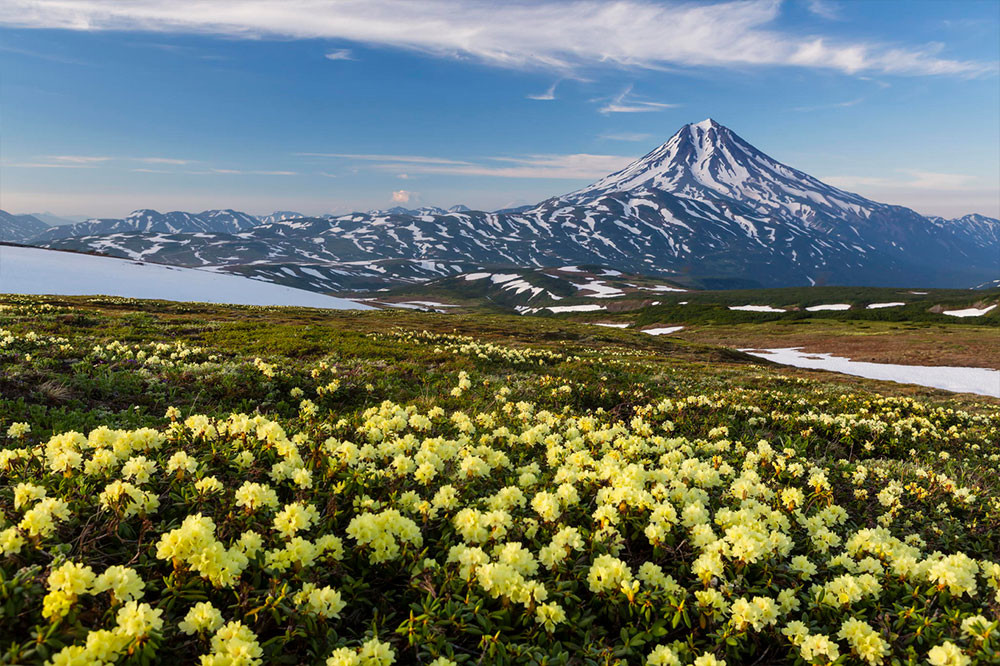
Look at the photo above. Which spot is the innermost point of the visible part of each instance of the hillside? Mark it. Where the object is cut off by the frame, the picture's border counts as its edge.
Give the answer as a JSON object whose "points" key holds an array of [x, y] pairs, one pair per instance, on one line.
{"points": [[28, 270]]}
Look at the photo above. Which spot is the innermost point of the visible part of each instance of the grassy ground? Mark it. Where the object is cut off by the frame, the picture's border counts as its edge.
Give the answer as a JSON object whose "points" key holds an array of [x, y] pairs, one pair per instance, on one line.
{"points": [[472, 489], [906, 343]]}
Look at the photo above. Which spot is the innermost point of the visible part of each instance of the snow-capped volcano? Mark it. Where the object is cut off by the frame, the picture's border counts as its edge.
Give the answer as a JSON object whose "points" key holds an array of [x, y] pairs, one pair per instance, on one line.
{"points": [[706, 204], [707, 160]]}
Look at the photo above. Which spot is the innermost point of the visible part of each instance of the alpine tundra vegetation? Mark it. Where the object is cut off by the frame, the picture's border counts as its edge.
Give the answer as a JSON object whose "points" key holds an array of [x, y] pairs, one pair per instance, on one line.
{"points": [[273, 485]]}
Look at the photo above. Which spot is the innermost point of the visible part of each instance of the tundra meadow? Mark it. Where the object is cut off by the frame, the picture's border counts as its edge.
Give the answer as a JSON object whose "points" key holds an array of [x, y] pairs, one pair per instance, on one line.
{"points": [[199, 484]]}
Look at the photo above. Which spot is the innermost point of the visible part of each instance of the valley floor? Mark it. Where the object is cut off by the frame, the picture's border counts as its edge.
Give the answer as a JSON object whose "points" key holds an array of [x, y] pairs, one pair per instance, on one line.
{"points": [[904, 343]]}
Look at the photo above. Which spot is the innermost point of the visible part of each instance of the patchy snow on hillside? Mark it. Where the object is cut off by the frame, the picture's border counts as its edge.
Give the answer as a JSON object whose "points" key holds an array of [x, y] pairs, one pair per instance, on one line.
{"points": [[755, 308], [574, 308], [31, 270], [597, 289], [662, 287], [433, 304], [969, 312], [879, 306], [663, 330], [607, 324], [982, 381], [831, 306]]}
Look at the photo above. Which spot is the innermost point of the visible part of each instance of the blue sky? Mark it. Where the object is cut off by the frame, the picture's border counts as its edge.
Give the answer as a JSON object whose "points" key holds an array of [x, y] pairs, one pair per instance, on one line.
{"points": [[336, 106]]}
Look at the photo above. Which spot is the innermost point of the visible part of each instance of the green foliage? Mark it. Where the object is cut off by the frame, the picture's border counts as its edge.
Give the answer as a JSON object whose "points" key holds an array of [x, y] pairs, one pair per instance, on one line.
{"points": [[482, 489]]}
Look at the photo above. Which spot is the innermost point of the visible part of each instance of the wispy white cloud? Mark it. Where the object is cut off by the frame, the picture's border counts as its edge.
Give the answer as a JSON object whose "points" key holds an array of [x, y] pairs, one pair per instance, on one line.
{"points": [[178, 49], [557, 35], [162, 160], [76, 159], [879, 83], [910, 179], [928, 192], [340, 54], [622, 104], [416, 159], [42, 55], [241, 172], [834, 105], [546, 96], [567, 167], [626, 136], [47, 165], [825, 9]]}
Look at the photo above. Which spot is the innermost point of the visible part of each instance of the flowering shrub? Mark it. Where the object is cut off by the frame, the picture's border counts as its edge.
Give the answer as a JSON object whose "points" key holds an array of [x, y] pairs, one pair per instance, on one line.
{"points": [[500, 523]]}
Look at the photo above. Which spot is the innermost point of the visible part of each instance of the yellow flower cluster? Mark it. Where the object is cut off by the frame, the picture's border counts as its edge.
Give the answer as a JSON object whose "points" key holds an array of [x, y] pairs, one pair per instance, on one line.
{"points": [[383, 533], [672, 516]]}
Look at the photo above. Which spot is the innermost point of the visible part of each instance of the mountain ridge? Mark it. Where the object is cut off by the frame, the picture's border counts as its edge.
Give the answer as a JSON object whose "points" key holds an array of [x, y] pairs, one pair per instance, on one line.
{"points": [[704, 204]]}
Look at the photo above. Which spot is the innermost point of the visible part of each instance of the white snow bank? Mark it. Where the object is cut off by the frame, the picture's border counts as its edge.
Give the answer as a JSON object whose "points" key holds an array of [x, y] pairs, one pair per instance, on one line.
{"points": [[662, 287], [575, 308], [664, 330], [983, 381], [832, 306], [755, 308], [598, 323], [32, 270], [969, 312], [878, 306], [476, 276], [598, 289], [413, 305], [433, 304]]}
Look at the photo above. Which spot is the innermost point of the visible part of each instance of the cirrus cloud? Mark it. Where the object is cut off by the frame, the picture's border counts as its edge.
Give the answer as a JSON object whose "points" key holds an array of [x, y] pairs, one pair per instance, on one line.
{"points": [[568, 167], [562, 35]]}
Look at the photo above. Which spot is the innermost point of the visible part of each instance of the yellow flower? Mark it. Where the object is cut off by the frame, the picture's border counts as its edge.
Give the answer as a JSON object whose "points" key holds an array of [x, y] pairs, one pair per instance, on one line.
{"points": [[948, 654], [608, 573], [956, 572], [24, 493], [818, 645], [549, 615], [233, 644], [139, 620], [383, 532], [376, 653], [662, 656], [323, 601], [203, 617], [294, 517], [709, 660], [864, 641], [18, 430], [125, 583]]}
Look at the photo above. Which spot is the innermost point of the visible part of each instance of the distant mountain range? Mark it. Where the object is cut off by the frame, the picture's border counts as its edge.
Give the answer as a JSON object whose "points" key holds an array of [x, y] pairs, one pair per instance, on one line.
{"points": [[706, 208], [20, 228], [151, 221]]}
